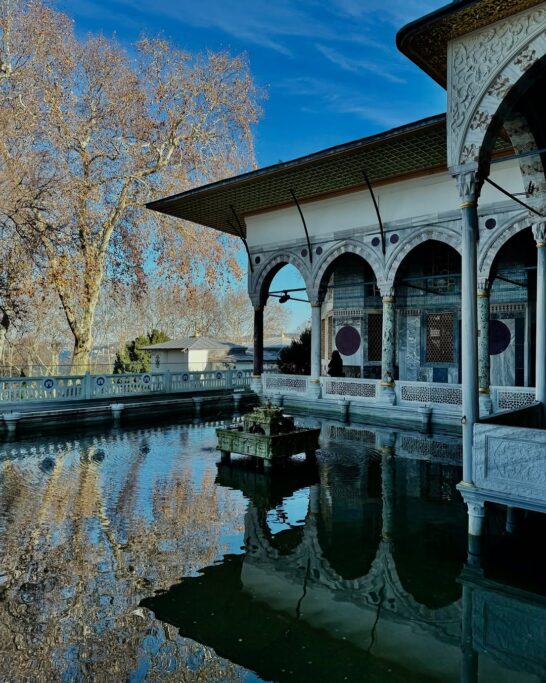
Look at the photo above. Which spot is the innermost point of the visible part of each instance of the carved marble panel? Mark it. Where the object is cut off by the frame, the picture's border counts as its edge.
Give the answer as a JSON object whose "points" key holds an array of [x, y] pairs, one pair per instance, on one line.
{"points": [[482, 68], [510, 460]]}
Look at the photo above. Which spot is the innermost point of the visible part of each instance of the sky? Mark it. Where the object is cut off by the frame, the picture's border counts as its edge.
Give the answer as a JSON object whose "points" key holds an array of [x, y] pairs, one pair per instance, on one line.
{"points": [[330, 68]]}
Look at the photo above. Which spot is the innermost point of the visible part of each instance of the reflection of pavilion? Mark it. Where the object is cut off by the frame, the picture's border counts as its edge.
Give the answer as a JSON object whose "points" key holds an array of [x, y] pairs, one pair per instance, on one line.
{"points": [[298, 607]]}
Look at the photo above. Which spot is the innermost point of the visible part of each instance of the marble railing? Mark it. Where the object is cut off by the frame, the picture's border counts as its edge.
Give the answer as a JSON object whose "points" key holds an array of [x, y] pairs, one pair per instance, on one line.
{"points": [[428, 393], [85, 387], [355, 389], [512, 398], [448, 396], [278, 383]]}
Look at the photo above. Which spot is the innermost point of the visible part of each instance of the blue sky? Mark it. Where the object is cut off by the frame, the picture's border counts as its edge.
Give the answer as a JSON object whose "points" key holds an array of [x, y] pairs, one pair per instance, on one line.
{"points": [[331, 69]]}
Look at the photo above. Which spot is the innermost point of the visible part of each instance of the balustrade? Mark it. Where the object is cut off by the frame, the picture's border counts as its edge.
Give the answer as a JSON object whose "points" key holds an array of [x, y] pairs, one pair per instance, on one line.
{"points": [[82, 387]]}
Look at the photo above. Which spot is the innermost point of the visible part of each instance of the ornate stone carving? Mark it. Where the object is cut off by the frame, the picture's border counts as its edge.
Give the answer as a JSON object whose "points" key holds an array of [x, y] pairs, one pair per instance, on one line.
{"points": [[511, 461], [475, 508], [483, 66], [483, 286], [467, 185], [539, 232]]}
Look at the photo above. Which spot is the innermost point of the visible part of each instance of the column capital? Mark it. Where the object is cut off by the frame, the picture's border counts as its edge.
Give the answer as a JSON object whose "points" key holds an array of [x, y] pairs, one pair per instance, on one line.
{"points": [[483, 287], [539, 232], [316, 298], [387, 291], [468, 184]]}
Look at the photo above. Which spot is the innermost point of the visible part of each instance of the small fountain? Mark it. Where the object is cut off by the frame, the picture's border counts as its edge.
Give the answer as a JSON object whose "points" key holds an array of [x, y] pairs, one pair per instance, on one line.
{"points": [[268, 434]]}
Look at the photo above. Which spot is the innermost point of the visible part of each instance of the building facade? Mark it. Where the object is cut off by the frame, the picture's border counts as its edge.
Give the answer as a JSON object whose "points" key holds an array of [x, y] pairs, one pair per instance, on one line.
{"points": [[422, 249]]}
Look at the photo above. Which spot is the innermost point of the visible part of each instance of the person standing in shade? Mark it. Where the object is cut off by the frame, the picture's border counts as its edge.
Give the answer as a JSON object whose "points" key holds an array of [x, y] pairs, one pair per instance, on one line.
{"points": [[335, 366]]}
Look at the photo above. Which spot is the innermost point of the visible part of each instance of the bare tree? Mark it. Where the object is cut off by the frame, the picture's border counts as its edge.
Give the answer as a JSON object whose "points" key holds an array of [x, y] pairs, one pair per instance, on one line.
{"points": [[113, 131]]}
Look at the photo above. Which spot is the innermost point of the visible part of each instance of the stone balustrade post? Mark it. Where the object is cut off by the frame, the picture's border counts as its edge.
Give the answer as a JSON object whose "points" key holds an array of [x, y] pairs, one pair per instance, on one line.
{"points": [[539, 233], [484, 363], [468, 186], [167, 381]]}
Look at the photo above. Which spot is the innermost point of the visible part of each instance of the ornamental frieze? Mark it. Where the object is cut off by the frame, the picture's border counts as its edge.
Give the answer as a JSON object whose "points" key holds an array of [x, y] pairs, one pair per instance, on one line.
{"points": [[477, 69]]}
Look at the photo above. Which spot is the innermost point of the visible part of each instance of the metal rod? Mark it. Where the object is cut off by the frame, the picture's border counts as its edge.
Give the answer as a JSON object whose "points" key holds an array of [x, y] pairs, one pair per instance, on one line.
{"points": [[531, 153], [509, 194], [282, 291], [291, 298], [376, 206], [511, 282], [241, 233], [304, 224]]}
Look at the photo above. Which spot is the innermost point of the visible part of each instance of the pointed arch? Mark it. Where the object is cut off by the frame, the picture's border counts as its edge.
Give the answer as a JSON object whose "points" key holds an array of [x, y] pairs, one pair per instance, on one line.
{"points": [[495, 243], [260, 280], [508, 59], [346, 247], [444, 235]]}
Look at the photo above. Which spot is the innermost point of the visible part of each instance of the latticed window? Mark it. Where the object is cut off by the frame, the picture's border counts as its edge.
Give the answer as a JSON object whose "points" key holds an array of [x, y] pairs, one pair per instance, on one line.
{"points": [[330, 334], [375, 336], [440, 341]]}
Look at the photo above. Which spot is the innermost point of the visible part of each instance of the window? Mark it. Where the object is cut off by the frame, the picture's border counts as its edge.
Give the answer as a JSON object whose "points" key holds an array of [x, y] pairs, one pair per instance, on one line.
{"points": [[440, 343], [375, 336], [330, 335]]}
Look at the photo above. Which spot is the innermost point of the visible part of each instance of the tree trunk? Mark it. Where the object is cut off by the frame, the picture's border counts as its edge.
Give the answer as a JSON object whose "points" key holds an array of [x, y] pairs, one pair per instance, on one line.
{"points": [[81, 354]]}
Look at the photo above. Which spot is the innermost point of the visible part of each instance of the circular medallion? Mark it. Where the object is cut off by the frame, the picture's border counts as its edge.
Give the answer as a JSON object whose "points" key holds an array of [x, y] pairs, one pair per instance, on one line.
{"points": [[185, 377], [376, 242], [219, 375], [304, 252], [48, 383], [394, 238], [100, 381], [490, 223], [499, 337], [319, 251], [257, 260], [146, 378], [240, 374], [348, 340]]}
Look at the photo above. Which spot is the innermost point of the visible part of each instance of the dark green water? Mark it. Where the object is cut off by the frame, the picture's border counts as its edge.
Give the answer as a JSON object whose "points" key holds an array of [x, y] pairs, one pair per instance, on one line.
{"points": [[132, 556]]}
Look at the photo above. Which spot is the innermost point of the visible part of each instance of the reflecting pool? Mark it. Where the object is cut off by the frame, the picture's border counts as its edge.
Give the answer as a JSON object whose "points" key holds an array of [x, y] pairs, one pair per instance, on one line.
{"points": [[132, 555]]}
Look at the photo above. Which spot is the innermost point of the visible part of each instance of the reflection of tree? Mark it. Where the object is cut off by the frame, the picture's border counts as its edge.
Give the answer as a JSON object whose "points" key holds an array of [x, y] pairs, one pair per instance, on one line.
{"points": [[79, 552]]}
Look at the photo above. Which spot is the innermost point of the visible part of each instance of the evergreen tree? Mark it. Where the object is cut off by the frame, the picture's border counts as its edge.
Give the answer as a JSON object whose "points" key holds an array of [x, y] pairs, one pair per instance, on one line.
{"points": [[132, 358], [296, 358]]}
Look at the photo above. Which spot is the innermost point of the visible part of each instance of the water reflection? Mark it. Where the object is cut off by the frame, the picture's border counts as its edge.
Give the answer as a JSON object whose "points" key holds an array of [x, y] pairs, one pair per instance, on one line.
{"points": [[133, 555]]}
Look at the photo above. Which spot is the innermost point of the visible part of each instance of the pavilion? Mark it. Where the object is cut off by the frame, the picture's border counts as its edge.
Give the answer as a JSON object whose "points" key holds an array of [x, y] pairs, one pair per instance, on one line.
{"points": [[423, 252]]}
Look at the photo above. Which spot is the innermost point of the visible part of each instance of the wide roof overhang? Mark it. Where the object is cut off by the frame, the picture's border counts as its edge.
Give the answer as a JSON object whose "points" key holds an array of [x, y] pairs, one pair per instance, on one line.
{"points": [[425, 40], [412, 149]]}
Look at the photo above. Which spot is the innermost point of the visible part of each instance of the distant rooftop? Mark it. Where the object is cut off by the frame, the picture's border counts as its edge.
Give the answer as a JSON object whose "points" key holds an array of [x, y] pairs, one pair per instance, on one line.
{"points": [[196, 343]]}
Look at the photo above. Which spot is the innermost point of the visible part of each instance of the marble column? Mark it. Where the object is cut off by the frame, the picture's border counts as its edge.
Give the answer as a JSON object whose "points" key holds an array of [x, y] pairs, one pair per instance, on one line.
{"points": [[388, 347], [539, 233], [256, 383], [467, 184], [314, 382], [484, 363]]}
